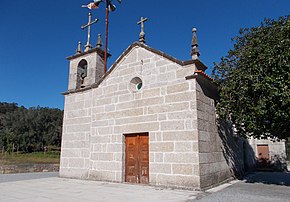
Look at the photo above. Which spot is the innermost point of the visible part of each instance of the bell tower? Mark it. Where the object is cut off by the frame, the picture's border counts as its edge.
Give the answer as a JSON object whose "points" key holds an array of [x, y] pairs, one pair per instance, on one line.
{"points": [[86, 66]]}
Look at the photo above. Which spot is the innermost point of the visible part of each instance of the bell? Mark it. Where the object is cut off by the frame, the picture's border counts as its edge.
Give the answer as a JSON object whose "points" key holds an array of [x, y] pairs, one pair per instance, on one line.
{"points": [[112, 7]]}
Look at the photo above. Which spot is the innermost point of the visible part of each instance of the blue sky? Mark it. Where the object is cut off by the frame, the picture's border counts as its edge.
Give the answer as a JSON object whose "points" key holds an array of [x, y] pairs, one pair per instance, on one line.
{"points": [[37, 35]]}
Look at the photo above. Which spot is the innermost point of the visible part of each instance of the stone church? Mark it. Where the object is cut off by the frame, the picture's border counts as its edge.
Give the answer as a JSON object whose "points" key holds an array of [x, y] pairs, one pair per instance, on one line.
{"points": [[150, 119]]}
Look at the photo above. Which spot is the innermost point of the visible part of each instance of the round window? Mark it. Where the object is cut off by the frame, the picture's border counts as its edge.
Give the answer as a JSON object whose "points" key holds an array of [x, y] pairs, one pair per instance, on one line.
{"points": [[136, 84], [139, 86]]}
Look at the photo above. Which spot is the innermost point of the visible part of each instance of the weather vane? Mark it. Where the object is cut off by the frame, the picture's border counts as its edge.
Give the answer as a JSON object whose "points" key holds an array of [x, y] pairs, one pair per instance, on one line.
{"points": [[110, 7]]}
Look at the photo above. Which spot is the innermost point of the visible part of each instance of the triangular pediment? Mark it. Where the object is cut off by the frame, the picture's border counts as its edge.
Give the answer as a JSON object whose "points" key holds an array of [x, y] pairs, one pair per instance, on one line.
{"points": [[127, 55]]}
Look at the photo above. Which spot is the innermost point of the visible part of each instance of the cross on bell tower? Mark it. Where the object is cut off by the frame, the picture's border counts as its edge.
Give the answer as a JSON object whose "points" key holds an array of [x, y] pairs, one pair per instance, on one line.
{"points": [[88, 46], [142, 33]]}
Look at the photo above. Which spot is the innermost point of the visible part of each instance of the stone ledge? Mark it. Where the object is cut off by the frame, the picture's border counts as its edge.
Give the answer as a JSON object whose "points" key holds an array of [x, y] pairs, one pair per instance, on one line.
{"points": [[27, 168]]}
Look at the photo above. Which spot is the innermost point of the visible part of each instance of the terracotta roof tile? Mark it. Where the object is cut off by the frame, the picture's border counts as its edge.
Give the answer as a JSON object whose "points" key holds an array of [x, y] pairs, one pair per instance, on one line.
{"points": [[202, 73]]}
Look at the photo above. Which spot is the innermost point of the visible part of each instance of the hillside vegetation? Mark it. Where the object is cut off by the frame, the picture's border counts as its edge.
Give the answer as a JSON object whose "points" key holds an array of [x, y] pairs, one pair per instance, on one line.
{"points": [[25, 130]]}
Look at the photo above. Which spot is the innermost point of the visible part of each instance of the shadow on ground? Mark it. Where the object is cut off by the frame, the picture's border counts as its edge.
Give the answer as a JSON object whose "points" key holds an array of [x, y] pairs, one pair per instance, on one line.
{"points": [[277, 178]]}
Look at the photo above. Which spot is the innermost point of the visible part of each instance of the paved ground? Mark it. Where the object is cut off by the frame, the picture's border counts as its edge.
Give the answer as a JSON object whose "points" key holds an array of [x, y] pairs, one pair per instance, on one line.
{"points": [[25, 176], [42, 187], [62, 190], [258, 187]]}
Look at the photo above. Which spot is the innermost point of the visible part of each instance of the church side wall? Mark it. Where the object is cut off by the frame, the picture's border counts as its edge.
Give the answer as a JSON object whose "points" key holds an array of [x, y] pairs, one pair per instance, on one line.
{"points": [[76, 136], [214, 167], [161, 108]]}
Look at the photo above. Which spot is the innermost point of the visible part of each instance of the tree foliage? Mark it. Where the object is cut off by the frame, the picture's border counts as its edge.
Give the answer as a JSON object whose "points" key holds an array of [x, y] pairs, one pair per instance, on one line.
{"points": [[29, 129], [254, 80]]}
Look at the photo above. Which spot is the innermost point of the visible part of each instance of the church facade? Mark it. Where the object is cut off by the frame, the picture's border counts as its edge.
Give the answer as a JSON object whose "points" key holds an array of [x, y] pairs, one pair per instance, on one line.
{"points": [[150, 119]]}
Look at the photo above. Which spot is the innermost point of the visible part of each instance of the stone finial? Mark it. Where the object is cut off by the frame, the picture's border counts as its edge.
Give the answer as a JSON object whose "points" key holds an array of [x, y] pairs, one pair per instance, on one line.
{"points": [[88, 47], [194, 45], [142, 37], [99, 42], [79, 48]]}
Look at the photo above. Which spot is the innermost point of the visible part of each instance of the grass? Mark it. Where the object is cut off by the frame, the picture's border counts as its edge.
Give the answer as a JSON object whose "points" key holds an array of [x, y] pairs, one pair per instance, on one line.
{"points": [[30, 158]]}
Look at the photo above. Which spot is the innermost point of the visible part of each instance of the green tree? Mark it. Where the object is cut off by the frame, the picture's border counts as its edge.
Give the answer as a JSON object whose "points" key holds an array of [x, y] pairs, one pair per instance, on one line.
{"points": [[10, 141], [254, 80], [32, 128]]}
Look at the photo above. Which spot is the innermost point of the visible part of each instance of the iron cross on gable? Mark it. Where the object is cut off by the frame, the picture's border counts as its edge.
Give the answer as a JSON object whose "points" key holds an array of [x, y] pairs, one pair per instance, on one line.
{"points": [[142, 33], [88, 46]]}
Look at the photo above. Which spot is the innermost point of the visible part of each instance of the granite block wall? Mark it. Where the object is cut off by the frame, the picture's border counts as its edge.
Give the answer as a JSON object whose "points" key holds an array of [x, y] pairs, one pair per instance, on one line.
{"points": [[96, 120], [214, 166]]}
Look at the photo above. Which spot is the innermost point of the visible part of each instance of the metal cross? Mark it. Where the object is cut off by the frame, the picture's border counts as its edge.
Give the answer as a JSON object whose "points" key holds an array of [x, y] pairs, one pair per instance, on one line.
{"points": [[142, 33], [88, 46]]}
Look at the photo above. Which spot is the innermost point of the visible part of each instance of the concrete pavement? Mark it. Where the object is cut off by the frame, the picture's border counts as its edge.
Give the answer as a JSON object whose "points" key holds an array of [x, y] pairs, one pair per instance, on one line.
{"points": [[60, 189], [257, 187], [42, 187], [244, 192], [26, 176]]}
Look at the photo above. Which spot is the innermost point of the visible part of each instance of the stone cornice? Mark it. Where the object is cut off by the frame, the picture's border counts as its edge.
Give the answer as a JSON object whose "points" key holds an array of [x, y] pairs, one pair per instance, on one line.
{"points": [[97, 50]]}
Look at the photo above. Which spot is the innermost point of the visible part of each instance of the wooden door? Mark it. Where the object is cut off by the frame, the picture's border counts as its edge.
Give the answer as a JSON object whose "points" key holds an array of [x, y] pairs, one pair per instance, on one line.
{"points": [[263, 152], [137, 158], [131, 170], [143, 159]]}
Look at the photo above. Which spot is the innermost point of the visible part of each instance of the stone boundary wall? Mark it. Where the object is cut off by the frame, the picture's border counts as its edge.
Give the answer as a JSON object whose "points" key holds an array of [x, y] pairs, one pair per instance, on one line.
{"points": [[276, 148], [27, 168]]}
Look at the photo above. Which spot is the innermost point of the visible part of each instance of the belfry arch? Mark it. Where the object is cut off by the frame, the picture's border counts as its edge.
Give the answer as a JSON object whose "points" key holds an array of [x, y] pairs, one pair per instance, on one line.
{"points": [[82, 73]]}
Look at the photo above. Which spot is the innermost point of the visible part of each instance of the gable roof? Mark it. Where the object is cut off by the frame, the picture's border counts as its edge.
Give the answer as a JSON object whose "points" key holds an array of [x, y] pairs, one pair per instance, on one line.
{"points": [[199, 65]]}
